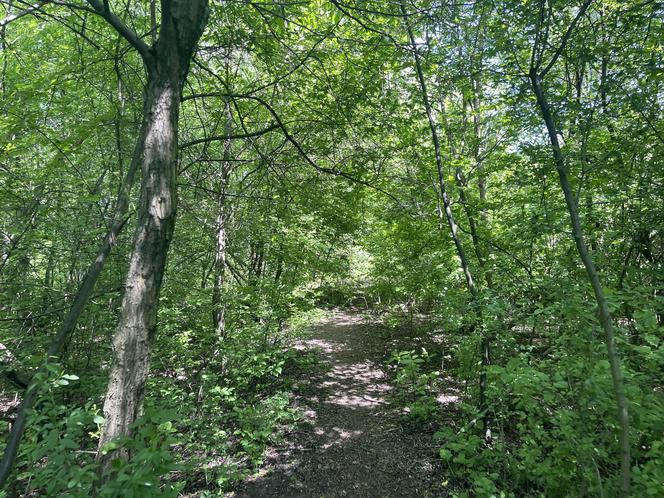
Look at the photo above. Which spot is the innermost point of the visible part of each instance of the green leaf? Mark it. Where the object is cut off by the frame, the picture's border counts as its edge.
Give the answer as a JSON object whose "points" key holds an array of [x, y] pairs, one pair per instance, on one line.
{"points": [[108, 447]]}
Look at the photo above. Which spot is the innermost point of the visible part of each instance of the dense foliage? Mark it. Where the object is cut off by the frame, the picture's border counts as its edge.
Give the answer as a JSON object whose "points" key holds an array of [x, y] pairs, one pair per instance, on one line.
{"points": [[309, 136]]}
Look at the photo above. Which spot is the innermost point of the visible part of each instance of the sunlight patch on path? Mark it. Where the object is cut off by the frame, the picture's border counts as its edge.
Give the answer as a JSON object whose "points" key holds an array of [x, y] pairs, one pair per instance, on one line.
{"points": [[350, 441], [324, 346]]}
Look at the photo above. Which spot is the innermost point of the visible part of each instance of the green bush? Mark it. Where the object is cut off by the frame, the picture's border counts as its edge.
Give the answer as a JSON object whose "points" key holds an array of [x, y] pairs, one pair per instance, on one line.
{"points": [[57, 455], [417, 386], [551, 402]]}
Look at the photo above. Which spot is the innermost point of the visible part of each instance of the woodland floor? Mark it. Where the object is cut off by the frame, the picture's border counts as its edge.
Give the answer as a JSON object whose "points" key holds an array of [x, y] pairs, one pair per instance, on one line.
{"points": [[354, 439]]}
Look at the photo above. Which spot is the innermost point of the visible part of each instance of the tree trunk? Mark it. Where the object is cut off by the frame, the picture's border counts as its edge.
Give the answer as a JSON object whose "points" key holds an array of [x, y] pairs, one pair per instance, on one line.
{"points": [[481, 174], [602, 305], [449, 215], [156, 221], [80, 300], [218, 305], [167, 64]]}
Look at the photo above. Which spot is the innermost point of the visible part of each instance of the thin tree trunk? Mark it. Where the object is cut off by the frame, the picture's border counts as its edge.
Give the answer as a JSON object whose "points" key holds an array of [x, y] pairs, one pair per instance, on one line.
{"points": [[218, 306], [602, 305], [280, 266], [481, 175], [449, 215], [3, 47], [462, 184], [260, 259]]}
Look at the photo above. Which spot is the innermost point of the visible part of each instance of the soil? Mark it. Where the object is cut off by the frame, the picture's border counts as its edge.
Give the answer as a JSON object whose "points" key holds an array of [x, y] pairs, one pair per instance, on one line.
{"points": [[354, 439]]}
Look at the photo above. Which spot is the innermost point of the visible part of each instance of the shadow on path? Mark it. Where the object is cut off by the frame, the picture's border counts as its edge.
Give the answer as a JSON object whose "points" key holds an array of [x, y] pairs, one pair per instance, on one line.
{"points": [[352, 441]]}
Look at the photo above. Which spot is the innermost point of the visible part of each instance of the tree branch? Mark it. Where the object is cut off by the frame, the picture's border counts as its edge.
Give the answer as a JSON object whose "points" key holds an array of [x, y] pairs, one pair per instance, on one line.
{"points": [[292, 140], [566, 37], [217, 138], [22, 13], [122, 29]]}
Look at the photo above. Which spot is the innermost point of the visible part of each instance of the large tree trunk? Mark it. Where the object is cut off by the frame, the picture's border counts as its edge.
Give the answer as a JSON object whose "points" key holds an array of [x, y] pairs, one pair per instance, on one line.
{"points": [[156, 221], [167, 64]]}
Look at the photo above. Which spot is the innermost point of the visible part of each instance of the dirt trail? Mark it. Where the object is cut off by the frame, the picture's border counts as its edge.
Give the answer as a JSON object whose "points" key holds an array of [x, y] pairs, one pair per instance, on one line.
{"points": [[353, 441]]}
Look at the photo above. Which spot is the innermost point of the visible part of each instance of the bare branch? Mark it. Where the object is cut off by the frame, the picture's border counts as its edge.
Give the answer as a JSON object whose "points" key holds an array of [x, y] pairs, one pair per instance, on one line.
{"points": [[292, 140]]}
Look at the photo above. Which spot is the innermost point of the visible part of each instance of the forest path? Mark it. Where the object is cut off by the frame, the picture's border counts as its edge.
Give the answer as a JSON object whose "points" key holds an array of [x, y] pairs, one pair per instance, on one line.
{"points": [[353, 440]]}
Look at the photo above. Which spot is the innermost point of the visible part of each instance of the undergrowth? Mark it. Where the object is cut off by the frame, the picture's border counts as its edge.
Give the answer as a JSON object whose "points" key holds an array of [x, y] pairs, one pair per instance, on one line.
{"points": [[206, 425], [549, 398]]}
